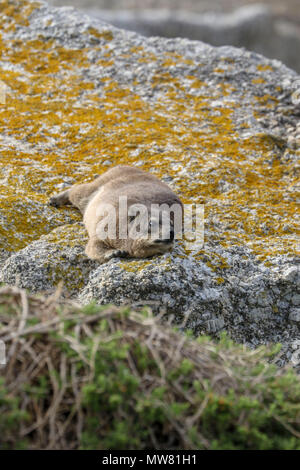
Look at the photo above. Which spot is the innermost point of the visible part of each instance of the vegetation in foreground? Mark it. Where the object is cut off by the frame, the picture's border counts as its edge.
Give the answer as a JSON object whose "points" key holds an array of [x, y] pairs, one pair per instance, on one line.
{"points": [[113, 378]]}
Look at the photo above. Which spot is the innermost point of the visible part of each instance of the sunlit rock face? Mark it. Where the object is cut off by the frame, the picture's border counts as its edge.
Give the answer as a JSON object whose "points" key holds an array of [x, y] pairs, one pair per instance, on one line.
{"points": [[219, 125]]}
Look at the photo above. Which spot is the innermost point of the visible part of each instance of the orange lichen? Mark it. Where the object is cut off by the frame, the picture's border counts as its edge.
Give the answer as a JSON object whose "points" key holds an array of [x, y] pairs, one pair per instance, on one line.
{"points": [[267, 100], [17, 13], [258, 81], [105, 63], [106, 35], [264, 68]]}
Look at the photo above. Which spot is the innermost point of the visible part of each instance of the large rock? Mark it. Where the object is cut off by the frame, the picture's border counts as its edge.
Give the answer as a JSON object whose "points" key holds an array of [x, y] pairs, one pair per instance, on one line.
{"points": [[218, 124], [253, 26]]}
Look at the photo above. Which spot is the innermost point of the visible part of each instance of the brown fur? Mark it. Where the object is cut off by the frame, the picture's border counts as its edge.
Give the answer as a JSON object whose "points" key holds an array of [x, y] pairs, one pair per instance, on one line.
{"points": [[140, 188]]}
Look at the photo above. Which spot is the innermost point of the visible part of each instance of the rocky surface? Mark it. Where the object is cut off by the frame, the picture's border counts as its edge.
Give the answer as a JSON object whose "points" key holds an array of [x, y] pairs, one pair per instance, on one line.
{"points": [[255, 27], [220, 125]]}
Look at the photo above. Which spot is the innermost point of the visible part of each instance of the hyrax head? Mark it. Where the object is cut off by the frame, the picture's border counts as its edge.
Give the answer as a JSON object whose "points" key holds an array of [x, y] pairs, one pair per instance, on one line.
{"points": [[152, 230]]}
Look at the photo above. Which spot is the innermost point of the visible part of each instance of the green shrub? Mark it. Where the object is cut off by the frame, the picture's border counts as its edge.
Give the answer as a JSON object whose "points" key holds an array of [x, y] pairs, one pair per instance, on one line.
{"points": [[10, 419], [113, 378]]}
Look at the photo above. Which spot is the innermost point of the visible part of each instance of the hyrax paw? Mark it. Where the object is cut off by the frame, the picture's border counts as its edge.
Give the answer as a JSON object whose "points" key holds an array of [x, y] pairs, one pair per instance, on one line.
{"points": [[116, 254], [120, 254]]}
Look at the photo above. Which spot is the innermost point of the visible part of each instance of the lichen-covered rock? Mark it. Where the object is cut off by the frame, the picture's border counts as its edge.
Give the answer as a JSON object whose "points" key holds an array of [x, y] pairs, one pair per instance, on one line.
{"points": [[253, 26], [220, 125], [58, 256]]}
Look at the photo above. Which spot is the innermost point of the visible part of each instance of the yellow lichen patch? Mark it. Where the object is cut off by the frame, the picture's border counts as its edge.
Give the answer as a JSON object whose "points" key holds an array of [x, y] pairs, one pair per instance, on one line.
{"points": [[169, 63], [134, 265], [14, 13], [174, 55], [105, 63], [217, 262], [147, 59], [258, 81], [189, 62], [196, 83], [69, 235], [106, 35], [267, 100], [264, 68], [136, 49]]}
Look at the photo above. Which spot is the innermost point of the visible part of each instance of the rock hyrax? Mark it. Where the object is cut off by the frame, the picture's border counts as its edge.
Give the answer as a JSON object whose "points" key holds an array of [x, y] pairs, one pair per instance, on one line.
{"points": [[128, 232]]}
